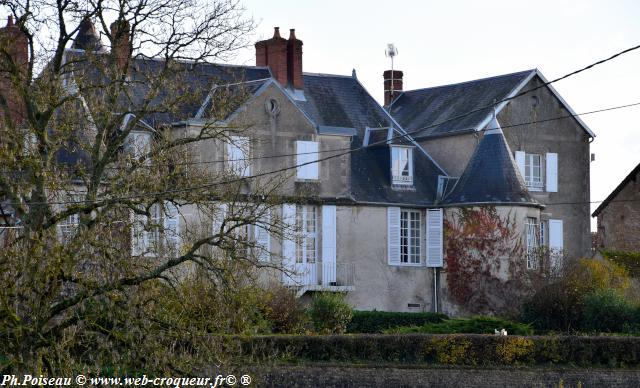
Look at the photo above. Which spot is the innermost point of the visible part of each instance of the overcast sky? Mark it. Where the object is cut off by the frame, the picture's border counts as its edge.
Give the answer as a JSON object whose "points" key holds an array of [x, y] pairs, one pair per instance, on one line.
{"points": [[442, 42]]}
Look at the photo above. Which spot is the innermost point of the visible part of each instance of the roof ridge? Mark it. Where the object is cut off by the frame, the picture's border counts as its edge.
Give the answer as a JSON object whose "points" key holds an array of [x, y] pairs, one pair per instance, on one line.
{"points": [[469, 81], [326, 75]]}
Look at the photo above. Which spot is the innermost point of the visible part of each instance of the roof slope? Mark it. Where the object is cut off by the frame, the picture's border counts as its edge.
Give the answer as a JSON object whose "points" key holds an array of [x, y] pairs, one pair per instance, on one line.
{"points": [[342, 101], [632, 176], [176, 91], [416, 109], [491, 176]]}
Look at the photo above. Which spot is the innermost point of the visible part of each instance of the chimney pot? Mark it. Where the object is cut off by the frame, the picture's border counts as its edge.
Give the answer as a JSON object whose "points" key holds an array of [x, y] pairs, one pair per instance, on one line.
{"points": [[284, 58], [392, 85], [120, 45], [16, 46]]}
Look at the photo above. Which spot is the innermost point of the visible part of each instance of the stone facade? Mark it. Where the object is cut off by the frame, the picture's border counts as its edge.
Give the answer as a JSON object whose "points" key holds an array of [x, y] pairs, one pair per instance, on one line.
{"points": [[619, 216]]}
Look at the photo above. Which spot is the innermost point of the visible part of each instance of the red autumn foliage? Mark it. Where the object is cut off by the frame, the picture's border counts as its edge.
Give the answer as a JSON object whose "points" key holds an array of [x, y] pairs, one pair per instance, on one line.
{"points": [[485, 264]]}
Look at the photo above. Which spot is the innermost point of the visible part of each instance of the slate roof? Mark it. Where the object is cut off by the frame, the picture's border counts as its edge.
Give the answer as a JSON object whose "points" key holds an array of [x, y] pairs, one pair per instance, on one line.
{"points": [[491, 176], [633, 175], [342, 101], [416, 109], [185, 87], [334, 104]]}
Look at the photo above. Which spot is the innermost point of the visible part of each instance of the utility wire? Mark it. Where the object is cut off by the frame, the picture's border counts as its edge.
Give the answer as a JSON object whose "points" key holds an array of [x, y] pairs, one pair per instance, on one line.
{"points": [[331, 157], [405, 135]]}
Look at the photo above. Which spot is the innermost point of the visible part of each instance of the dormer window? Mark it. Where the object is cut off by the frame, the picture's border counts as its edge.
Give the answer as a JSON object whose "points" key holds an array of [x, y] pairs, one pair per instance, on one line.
{"points": [[401, 165]]}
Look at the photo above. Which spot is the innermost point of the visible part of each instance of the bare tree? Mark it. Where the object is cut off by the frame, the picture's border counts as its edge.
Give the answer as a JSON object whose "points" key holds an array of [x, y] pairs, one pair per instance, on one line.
{"points": [[100, 180]]}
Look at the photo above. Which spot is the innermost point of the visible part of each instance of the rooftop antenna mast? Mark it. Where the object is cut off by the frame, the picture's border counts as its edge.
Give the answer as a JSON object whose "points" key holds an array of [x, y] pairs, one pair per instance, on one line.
{"points": [[391, 51]]}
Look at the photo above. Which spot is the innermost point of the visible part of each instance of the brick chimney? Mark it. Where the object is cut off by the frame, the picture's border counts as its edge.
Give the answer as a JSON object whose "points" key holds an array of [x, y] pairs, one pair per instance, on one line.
{"points": [[392, 78], [284, 58], [15, 42], [294, 60], [121, 44]]}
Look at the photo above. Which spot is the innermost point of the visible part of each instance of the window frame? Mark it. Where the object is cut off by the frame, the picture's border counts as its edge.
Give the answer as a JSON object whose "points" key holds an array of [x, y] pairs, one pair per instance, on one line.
{"points": [[410, 241], [532, 242], [242, 145], [304, 236], [397, 177], [529, 176], [68, 226]]}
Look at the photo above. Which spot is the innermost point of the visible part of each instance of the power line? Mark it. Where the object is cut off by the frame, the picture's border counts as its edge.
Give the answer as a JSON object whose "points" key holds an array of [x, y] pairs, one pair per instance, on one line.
{"points": [[352, 150], [532, 89], [235, 180], [590, 66], [369, 145]]}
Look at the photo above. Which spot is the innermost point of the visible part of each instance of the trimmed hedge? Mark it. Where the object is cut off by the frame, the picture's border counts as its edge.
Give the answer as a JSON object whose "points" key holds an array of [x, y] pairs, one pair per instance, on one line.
{"points": [[475, 325], [378, 321], [469, 349], [628, 260]]}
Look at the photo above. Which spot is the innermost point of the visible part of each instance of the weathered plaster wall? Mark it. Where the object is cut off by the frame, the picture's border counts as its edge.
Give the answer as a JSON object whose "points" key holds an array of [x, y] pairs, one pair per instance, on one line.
{"points": [[362, 241], [619, 221], [569, 140], [277, 135]]}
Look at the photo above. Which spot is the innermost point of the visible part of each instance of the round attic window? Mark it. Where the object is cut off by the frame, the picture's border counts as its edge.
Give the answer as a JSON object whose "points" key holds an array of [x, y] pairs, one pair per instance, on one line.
{"points": [[272, 107]]}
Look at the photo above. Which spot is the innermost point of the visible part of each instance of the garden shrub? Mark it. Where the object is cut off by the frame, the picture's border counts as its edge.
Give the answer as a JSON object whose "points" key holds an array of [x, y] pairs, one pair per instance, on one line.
{"points": [[285, 311], [628, 260], [475, 325], [458, 349], [608, 311], [378, 321], [330, 313], [560, 305]]}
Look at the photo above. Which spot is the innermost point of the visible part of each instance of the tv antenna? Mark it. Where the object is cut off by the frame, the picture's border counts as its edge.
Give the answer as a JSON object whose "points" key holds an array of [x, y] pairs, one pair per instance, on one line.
{"points": [[391, 51]]}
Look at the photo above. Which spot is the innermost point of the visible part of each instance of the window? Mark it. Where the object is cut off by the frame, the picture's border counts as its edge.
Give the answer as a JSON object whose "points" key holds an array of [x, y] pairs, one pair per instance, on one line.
{"points": [[410, 236], [532, 234], [543, 233], [306, 234], [401, 165], [158, 233], [138, 144], [68, 227], [306, 154], [530, 166], [154, 225], [533, 171], [238, 155]]}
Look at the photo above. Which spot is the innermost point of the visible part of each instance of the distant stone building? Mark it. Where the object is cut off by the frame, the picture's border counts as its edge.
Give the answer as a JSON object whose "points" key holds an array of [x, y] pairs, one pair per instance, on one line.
{"points": [[619, 216]]}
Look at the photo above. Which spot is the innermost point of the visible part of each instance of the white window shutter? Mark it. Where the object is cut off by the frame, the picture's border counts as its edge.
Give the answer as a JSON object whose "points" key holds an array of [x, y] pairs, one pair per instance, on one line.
{"points": [[172, 226], [307, 152], [262, 237], [218, 218], [139, 238], [328, 244], [393, 235], [552, 172], [288, 243], [238, 155], [556, 246], [434, 238], [556, 241], [520, 161]]}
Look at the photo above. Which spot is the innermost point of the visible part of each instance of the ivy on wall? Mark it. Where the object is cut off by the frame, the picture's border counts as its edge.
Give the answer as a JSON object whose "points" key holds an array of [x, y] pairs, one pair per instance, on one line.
{"points": [[486, 270]]}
